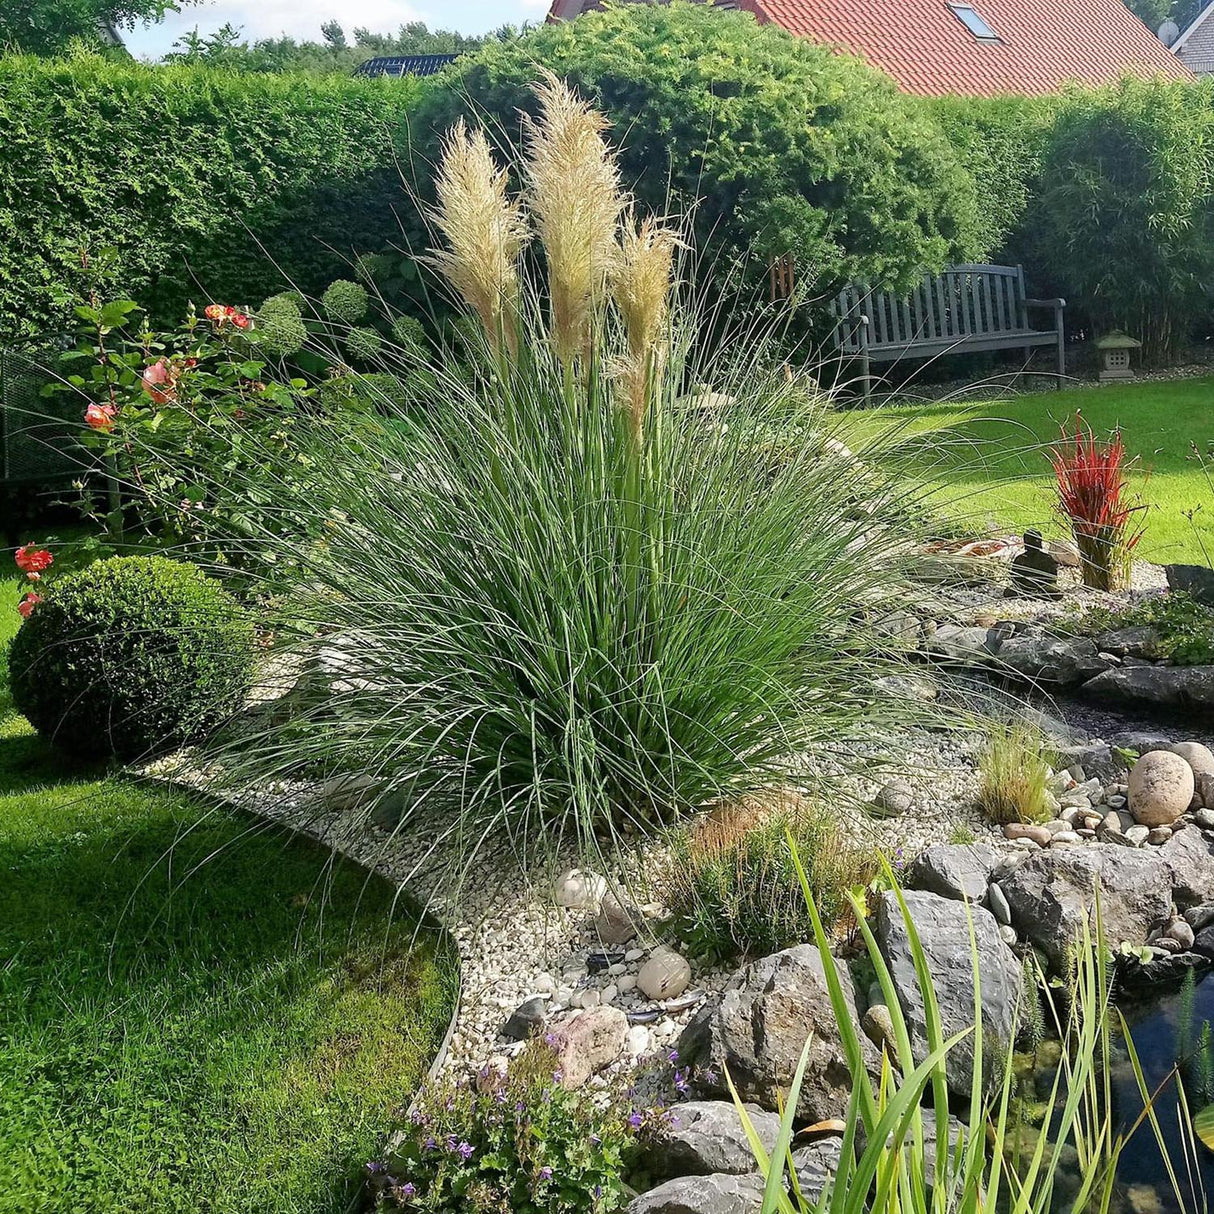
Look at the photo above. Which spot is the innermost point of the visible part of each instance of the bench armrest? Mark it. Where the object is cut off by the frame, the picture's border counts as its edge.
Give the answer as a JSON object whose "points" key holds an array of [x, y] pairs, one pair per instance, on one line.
{"points": [[1045, 303]]}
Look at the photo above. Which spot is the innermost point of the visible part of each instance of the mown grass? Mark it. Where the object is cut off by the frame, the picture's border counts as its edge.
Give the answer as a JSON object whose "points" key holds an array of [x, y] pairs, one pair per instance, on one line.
{"points": [[196, 1014], [986, 463]]}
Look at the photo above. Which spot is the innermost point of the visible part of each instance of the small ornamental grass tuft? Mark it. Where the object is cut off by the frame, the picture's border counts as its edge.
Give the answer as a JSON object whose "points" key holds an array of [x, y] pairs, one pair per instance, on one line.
{"points": [[733, 889], [1014, 778], [131, 656]]}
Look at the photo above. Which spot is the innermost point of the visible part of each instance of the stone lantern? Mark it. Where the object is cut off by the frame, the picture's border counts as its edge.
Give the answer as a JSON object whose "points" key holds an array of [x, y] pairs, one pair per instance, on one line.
{"points": [[1116, 347]]}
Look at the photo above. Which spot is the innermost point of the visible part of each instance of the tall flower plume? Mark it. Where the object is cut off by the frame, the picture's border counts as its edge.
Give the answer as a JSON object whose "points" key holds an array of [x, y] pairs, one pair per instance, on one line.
{"points": [[642, 295], [574, 194], [484, 229]]}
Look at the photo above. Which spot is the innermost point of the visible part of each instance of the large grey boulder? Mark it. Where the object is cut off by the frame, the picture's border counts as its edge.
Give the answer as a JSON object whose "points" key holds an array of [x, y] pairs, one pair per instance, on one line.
{"points": [[722, 1194], [758, 1028], [1061, 662], [1171, 687], [706, 1136], [943, 927], [1052, 891], [1190, 860], [955, 870]]}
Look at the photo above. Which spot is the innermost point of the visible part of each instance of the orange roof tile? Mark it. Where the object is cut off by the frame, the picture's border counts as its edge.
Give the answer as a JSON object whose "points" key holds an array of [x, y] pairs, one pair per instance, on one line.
{"points": [[1042, 44]]}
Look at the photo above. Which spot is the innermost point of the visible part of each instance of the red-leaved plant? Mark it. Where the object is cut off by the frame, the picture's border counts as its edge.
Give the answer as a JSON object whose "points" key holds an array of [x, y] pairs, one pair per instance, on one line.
{"points": [[1093, 494]]}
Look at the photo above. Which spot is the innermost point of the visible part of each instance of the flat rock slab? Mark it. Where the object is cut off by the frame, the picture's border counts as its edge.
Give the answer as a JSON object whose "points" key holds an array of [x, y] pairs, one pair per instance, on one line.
{"points": [[943, 927], [1061, 662], [724, 1194], [758, 1027], [1175, 688], [1051, 893]]}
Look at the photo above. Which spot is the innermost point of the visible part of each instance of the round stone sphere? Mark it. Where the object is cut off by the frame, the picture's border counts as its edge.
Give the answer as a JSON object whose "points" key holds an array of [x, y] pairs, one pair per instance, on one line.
{"points": [[1200, 758], [1161, 788]]}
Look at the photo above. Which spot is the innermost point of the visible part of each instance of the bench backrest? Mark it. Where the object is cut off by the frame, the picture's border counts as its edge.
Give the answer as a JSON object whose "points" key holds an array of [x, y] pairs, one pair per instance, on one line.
{"points": [[963, 301]]}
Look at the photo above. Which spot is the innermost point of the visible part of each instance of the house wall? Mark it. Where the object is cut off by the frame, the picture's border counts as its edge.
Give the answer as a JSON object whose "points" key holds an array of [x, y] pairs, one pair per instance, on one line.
{"points": [[1198, 53]]}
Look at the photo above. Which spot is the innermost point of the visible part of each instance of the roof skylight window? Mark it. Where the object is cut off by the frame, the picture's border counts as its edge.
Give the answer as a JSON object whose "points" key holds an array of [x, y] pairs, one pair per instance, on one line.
{"points": [[973, 21]]}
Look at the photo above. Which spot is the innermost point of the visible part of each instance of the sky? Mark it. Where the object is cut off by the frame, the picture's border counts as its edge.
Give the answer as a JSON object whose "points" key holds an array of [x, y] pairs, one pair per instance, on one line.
{"points": [[302, 18]]}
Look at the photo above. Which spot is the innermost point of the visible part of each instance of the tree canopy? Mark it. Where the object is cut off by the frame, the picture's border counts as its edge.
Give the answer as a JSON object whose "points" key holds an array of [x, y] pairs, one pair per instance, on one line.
{"points": [[773, 144], [335, 52], [44, 27]]}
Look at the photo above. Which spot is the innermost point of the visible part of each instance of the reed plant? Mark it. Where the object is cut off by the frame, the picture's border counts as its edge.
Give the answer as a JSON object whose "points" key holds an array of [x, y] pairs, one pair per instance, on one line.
{"points": [[577, 590], [901, 1149]]}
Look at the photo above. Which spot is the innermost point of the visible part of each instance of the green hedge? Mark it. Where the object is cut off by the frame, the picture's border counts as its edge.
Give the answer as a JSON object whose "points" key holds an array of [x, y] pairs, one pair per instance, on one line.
{"points": [[182, 172]]}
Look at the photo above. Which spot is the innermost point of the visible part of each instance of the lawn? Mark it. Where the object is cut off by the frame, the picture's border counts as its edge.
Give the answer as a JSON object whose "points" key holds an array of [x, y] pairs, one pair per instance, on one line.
{"points": [[196, 1013], [987, 463]]}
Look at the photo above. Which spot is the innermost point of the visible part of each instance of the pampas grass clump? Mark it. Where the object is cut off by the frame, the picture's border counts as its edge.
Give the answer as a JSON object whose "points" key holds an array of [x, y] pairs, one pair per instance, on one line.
{"points": [[563, 601]]}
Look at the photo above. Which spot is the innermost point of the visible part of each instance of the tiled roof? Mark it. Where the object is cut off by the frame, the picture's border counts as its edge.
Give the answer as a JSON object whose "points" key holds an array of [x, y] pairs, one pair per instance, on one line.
{"points": [[923, 45]]}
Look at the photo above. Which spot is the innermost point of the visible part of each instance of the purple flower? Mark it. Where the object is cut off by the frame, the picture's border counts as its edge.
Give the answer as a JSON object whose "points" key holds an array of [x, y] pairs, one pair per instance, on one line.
{"points": [[451, 1143], [430, 1144], [375, 1166], [710, 1075], [680, 1081], [595, 1140], [465, 1151], [672, 1057], [407, 1190], [545, 1173], [550, 1039], [636, 1119], [558, 1075], [519, 1105]]}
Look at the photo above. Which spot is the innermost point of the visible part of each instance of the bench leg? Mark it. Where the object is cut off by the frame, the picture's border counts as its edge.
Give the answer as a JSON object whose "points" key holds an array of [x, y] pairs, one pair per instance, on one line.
{"points": [[1061, 382], [866, 377], [1027, 351]]}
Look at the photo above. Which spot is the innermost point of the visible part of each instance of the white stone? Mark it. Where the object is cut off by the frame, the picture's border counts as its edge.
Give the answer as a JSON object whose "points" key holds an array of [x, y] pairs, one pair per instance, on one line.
{"points": [[665, 975], [579, 889], [637, 1041]]}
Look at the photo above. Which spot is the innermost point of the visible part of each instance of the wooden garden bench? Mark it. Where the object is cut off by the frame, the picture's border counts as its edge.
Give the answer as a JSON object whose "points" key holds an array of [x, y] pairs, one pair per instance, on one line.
{"points": [[966, 308]]}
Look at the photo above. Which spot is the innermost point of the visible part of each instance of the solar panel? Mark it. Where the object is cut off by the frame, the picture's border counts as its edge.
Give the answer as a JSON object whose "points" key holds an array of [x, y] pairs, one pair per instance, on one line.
{"points": [[405, 65]]}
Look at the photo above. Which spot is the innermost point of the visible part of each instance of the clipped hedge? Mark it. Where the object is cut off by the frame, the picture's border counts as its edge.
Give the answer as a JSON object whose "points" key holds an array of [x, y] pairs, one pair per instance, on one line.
{"points": [[182, 171]]}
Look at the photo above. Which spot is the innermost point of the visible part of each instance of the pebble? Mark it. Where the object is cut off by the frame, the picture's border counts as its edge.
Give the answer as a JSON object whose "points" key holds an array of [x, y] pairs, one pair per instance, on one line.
{"points": [[1204, 818], [1040, 835], [1138, 835]]}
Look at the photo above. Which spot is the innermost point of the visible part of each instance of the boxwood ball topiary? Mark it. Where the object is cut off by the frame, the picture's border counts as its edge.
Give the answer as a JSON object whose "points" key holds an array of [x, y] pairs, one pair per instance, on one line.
{"points": [[345, 302], [130, 657]]}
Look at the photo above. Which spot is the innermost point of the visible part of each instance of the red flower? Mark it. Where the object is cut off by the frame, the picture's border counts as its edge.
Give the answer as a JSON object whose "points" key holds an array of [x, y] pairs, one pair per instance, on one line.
{"points": [[33, 560], [100, 417], [221, 313], [160, 382], [27, 605]]}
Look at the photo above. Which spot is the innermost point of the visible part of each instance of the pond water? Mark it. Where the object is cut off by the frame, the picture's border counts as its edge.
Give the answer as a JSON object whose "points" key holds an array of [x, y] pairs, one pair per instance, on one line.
{"points": [[1168, 1029]]}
